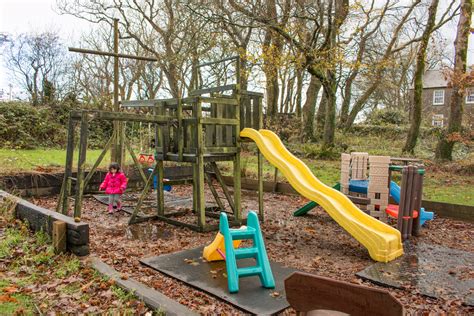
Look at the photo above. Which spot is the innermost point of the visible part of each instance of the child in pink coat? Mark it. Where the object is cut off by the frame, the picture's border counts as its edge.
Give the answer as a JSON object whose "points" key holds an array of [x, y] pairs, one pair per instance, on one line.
{"points": [[114, 184]]}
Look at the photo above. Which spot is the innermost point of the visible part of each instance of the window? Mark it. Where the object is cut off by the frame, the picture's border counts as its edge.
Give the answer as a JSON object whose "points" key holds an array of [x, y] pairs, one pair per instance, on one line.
{"points": [[438, 120], [438, 97], [470, 95]]}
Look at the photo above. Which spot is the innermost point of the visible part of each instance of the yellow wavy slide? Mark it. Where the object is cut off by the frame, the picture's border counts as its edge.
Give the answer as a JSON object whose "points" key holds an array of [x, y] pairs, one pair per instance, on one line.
{"points": [[382, 241]]}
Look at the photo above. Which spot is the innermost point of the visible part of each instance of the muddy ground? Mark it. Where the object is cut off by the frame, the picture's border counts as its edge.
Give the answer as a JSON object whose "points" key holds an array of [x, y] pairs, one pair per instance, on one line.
{"points": [[313, 243]]}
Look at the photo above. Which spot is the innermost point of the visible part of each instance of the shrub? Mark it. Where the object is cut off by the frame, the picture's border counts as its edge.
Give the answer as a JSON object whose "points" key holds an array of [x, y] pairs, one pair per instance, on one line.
{"points": [[23, 126], [387, 116]]}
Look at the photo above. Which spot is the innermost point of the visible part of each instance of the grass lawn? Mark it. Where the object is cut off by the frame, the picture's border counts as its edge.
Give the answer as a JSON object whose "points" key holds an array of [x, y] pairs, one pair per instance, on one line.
{"points": [[22, 160], [439, 185], [35, 281]]}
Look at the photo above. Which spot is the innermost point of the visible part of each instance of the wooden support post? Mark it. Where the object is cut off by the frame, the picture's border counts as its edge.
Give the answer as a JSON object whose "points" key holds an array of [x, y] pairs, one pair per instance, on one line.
{"points": [[258, 121], [117, 152], [63, 203], [219, 130], [275, 180], [59, 236], [84, 133], [260, 185], [160, 199], [198, 167], [236, 162], [159, 132], [180, 129], [142, 197], [121, 143]]}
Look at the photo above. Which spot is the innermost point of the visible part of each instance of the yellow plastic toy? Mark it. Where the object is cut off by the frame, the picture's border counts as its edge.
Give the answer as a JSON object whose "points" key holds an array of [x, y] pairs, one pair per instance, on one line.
{"points": [[216, 250]]}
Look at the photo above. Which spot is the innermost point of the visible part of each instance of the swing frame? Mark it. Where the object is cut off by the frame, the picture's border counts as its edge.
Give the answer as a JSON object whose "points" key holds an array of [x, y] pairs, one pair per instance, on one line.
{"points": [[201, 129]]}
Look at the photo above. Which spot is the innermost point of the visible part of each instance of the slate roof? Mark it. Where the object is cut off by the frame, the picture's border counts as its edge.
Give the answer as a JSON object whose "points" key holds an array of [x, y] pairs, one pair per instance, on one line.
{"points": [[434, 79]]}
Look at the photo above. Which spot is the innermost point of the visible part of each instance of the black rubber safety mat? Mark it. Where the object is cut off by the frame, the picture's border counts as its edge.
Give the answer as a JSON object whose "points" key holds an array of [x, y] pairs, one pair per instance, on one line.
{"points": [[189, 267], [432, 270]]}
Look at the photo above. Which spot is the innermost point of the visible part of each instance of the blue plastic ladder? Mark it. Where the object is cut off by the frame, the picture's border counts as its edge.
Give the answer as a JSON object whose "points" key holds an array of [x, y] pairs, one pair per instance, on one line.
{"points": [[262, 268]]}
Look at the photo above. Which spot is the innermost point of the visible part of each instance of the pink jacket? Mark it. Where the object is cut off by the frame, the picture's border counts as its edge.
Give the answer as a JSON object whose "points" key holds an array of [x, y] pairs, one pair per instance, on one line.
{"points": [[114, 183]]}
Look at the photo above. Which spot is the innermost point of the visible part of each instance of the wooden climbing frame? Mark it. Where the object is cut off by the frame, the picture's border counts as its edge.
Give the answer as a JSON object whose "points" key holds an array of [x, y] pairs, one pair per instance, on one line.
{"points": [[201, 129]]}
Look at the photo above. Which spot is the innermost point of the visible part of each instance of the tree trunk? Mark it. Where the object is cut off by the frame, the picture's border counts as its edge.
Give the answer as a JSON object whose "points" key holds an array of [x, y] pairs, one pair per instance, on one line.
{"points": [[289, 95], [330, 116], [444, 149], [360, 103], [346, 101], [171, 74], [244, 72], [309, 108], [35, 94], [321, 116], [420, 69], [272, 94], [271, 75], [283, 79], [299, 88]]}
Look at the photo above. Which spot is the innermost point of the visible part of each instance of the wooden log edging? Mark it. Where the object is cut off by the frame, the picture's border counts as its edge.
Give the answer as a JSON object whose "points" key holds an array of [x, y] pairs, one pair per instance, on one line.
{"points": [[41, 219], [441, 209], [152, 298], [454, 211]]}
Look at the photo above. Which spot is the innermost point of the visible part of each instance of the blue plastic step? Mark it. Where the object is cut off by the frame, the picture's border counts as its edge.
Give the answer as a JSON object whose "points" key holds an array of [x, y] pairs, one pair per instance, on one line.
{"points": [[249, 271], [248, 233], [243, 253]]}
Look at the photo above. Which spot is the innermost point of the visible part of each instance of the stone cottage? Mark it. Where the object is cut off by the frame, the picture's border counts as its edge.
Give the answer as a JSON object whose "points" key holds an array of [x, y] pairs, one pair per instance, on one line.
{"points": [[436, 100]]}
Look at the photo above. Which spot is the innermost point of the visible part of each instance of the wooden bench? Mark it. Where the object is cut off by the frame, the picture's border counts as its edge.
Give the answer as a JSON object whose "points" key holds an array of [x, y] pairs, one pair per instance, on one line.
{"points": [[310, 294]]}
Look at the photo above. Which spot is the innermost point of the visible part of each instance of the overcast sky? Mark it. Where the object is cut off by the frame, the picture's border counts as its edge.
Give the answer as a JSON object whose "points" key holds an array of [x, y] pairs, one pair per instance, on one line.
{"points": [[21, 16]]}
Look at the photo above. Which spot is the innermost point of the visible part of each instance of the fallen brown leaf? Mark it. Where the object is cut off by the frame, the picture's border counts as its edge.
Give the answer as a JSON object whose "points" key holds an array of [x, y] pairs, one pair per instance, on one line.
{"points": [[275, 294], [10, 289], [123, 276], [7, 299]]}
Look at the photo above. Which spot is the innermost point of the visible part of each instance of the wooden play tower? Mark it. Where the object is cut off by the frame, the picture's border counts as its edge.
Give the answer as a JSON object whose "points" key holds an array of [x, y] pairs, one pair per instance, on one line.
{"points": [[201, 129]]}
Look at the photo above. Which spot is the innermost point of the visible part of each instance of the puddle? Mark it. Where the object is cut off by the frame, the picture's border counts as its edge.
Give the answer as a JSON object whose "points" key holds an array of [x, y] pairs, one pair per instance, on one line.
{"points": [[433, 270], [146, 232]]}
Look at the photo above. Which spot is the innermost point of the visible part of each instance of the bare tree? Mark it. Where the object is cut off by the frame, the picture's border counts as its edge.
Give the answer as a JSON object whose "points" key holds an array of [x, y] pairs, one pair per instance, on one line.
{"points": [[365, 31], [156, 27], [390, 46], [38, 63]]}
